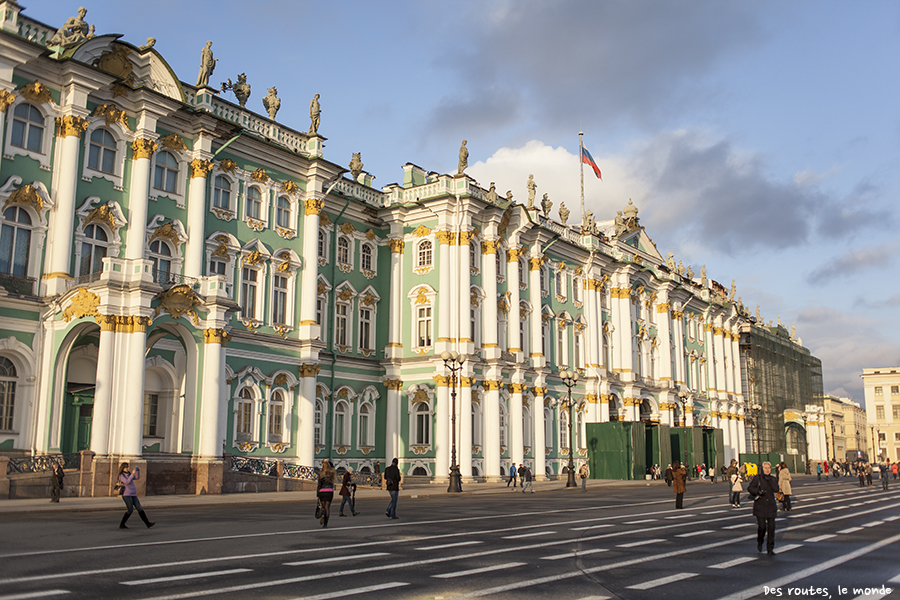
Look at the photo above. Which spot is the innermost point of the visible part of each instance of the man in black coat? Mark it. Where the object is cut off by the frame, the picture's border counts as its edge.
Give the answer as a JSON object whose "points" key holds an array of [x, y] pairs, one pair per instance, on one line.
{"points": [[763, 488], [392, 479]]}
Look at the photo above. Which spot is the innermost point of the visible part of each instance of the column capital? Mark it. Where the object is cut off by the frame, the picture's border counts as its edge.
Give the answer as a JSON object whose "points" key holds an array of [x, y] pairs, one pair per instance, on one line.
{"points": [[144, 148], [216, 336], [492, 385], [490, 246], [309, 370], [396, 246], [393, 384], [540, 391], [313, 206], [200, 168], [70, 125]]}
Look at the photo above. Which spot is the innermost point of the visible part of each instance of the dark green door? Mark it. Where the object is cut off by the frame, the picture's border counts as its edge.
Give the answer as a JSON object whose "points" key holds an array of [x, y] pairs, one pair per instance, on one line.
{"points": [[77, 416]]}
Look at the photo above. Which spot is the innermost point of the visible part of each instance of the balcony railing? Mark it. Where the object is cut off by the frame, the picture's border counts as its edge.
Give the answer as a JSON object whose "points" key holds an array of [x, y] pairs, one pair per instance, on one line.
{"points": [[167, 279], [14, 284], [43, 462]]}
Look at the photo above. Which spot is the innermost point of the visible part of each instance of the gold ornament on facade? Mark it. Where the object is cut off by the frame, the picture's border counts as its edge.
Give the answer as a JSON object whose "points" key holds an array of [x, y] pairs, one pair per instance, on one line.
{"points": [[290, 187], [36, 92], [101, 214], [368, 300], [492, 385], [173, 142], [228, 166], [347, 228], [324, 220], [308, 370], [166, 231], [513, 254], [25, 196], [143, 148], [70, 125], [465, 237], [201, 168], [6, 98], [396, 246], [443, 237], [178, 301], [474, 299], [119, 89], [221, 251], [345, 295], [82, 304], [393, 384], [535, 263], [106, 322], [253, 258], [422, 295], [259, 176], [441, 380], [216, 336], [490, 246], [116, 62], [421, 231], [320, 289], [540, 391], [314, 207], [111, 115], [370, 234], [503, 305]]}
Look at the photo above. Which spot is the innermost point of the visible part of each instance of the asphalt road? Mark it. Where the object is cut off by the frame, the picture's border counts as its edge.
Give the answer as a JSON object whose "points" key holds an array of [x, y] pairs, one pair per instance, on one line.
{"points": [[614, 542]]}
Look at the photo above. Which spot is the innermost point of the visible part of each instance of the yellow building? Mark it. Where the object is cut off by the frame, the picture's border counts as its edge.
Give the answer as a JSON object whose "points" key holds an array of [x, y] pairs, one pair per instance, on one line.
{"points": [[882, 390]]}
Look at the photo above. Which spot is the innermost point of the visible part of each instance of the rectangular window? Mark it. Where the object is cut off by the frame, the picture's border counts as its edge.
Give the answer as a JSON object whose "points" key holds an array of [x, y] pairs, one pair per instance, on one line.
{"points": [[560, 343], [216, 267], [423, 327], [879, 413], [7, 403], [879, 391], [151, 413], [895, 410], [279, 300], [244, 416], [364, 430], [340, 331], [275, 419], [365, 329], [895, 390], [248, 292], [422, 423]]}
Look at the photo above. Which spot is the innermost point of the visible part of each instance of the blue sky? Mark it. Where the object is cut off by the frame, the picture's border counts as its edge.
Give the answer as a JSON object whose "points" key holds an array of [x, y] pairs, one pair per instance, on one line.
{"points": [[759, 138]]}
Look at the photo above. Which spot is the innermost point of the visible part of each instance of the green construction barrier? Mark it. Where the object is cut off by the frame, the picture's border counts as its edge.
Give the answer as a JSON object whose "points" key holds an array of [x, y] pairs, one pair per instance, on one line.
{"points": [[617, 450], [659, 446], [713, 448]]}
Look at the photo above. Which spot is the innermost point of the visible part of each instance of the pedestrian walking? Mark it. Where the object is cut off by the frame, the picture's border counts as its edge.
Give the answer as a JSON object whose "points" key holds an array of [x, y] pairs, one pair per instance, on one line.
{"points": [[737, 486], [347, 495], [884, 475], [325, 490], [126, 479], [763, 488], [522, 476], [819, 472], [895, 469], [56, 482], [679, 486], [868, 468], [712, 474], [584, 472], [861, 474], [826, 471], [668, 476], [784, 486], [512, 476], [529, 484], [393, 478]]}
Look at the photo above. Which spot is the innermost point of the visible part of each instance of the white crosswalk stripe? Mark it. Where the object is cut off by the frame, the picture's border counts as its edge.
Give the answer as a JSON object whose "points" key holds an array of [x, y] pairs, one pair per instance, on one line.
{"points": [[479, 570], [647, 585], [733, 563]]}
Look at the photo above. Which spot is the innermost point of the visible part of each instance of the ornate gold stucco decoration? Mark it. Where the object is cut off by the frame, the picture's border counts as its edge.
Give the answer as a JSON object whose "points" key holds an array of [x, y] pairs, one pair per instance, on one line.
{"points": [[253, 258], [173, 142], [228, 165], [347, 228], [314, 207], [320, 289], [115, 62], [309, 370], [200, 168], [422, 295], [345, 294], [6, 98], [393, 384], [216, 336], [221, 251], [370, 234], [280, 379], [178, 301], [489, 246], [26, 196], [368, 300], [396, 246], [82, 304], [421, 231], [290, 187], [143, 148], [112, 115], [36, 92], [259, 176], [166, 231], [70, 125], [119, 89], [101, 214], [324, 220]]}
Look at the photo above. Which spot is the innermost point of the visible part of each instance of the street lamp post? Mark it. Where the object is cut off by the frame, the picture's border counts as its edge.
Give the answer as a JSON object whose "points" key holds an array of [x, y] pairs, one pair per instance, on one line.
{"points": [[682, 398], [569, 379], [454, 363], [755, 411]]}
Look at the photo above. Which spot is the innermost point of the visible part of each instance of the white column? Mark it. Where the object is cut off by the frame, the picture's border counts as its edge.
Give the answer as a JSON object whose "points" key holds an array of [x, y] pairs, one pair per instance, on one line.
{"points": [[512, 285], [664, 335], [308, 279], [464, 425], [392, 437], [719, 344], [537, 420], [678, 329], [445, 293], [395, 345], [516, 439], [713, 361], [138, 196], [442, 432], [100, 429], [306, 414], [193, 259], [491, 417], [729, 362], [537, 347], [212, 400], [68, 147], [463, 300], [624, 336], [490, 343], [735, 435], [823, 443], [132, 421], [742, 435]]}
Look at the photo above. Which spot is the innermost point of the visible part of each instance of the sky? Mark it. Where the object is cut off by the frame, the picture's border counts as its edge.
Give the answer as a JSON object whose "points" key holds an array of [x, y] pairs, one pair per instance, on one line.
{"points": [[761, 139]]}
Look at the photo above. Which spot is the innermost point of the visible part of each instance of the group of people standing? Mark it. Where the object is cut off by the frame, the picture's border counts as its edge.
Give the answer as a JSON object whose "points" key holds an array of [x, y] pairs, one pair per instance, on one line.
{"points": [[523, 474]]}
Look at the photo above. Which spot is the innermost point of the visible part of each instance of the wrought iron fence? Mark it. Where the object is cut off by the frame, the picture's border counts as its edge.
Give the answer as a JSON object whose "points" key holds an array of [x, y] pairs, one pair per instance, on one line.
{"points": [[43, 462], [293, 471], [168, 280], [24, 286], [257, 466], [263, 466], [85, 279], [370, 479]]}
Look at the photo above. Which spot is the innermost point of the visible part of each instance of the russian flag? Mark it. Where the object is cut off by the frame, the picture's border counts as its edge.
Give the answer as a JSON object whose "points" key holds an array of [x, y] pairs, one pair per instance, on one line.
{"points": [[587, 159]]}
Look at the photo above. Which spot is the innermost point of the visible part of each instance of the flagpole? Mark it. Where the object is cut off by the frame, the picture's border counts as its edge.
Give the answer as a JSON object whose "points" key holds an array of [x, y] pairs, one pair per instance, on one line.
{"points": [[581, 165]]}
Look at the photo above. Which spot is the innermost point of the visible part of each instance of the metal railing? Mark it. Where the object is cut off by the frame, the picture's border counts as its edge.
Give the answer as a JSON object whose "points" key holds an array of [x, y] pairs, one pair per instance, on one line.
{"points": [[167, 279], [269, 467], [257, 466], [43, 462], [15, 284]]}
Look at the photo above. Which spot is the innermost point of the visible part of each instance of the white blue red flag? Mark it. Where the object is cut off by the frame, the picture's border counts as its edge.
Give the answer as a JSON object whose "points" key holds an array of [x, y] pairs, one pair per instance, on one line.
{"points": [[587, 159]]}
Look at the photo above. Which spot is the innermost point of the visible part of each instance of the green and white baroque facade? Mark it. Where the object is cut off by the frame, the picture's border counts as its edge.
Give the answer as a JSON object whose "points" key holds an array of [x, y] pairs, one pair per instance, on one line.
{"points": [[184, 277]]}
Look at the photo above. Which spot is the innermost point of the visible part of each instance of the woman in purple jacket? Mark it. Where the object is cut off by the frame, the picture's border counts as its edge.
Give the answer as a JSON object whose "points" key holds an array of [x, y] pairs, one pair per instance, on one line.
{"points": [[127, 478]]}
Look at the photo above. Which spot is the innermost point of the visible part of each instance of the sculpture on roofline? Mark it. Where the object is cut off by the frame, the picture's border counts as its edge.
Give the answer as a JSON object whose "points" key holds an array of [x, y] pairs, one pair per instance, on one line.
{"points": [[563, 213], [621, 227], [689, 273], [207, 66], [703, 275], [241, 89], [732, 291], [356, 165], [758, 318], [680, 269], [546, 205], [315, 112], [463, 158], [587, 222], [151, 41], [532, 190], [491, 196], [74, 31], [670, 261], [272, 102], [630, 213]]}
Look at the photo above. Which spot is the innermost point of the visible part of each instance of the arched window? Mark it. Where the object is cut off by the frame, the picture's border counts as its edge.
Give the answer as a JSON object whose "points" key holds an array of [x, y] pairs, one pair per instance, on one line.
{"points": [[526, 426], [102, 151], [165, 172], [341, 421], [576, 289], [560, 283], [473, 255], [545, 338], [249, 292], [254, 203], [504, 422], [161, 257], [8, 380], [283, 212], [365, 261], [93, 250], [424, 254], [364, 436], [343, 251], [244, 416], [523, 272], [317, 423], [279, 300], [222, 193], [322, 248], [27, 128], [422, 421], [276, 416], [563, 428], [548, 429], [15, 241]]}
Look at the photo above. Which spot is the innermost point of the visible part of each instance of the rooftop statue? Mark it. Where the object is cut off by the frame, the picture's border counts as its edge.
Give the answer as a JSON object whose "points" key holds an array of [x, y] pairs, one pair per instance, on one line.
{"points": [[356, 165], [491, 196], [463, 158], [532, 190], [680, 269], [703, 275], [587, 222], [563, 213], [670, 260], [793, 332], [207, 66], [622, 228], [630, 213], [732, 291], [314, 111], [74, 31], [151, 41], [689, 273], [272, 102], [241, 89], [546, 205], [758, 318]]}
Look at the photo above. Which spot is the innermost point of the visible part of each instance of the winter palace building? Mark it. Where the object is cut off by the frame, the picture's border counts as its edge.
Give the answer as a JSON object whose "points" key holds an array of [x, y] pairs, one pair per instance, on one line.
{"points": [[182, 278]]}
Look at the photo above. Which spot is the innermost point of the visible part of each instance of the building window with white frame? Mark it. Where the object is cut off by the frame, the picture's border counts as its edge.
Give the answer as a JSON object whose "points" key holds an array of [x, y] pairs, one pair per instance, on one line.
{"points": [[161, 257], [341, 324], [365, 328], [424, 254], [577, 346], [473, 255], [102, 151], [165, 172], [283, 212], [343, 251], [561, 333], [254, 203], [504, 422], [276, 417], [423, 326], [365, 258], [15, 241], [318, 419], [526, 426], [364, 435], [222, 193], [27, 128], [151, 414], [280, 300], [244, 416], [548, 427], [561, 284], [93, 250], [217, 266], [563, 427], [322, 247], [249, 292], [341, 422], [8, 381], [422, 424]]}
